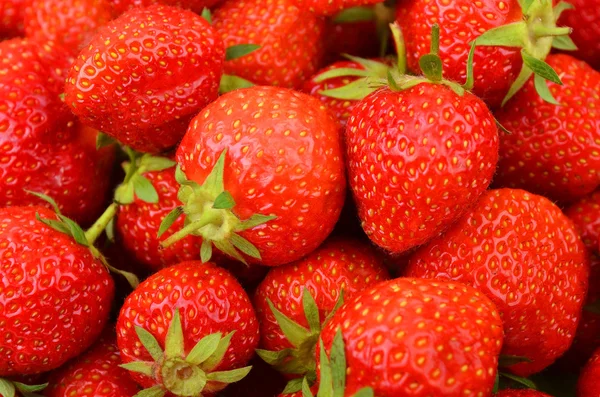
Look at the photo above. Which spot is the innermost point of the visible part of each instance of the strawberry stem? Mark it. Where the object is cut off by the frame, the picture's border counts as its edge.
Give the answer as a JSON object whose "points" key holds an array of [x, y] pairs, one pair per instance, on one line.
{"points": [[100, 225], [545, 31]]}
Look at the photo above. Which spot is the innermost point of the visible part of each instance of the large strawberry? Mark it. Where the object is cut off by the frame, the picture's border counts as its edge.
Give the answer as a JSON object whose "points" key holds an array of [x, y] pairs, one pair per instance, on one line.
{"points": [[306, 293], [588, 385], [291, 40], [144, 93], [11, 17], [262, 172], [94, 373], [70, 23], [508, 25], [187, 329], [418, 337], [554, 148], [584, 18], [420, 152], [525, 254]]}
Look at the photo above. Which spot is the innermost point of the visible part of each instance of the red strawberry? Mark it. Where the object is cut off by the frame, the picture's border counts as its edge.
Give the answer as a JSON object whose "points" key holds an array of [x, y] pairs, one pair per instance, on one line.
{"points": [[554, 150], [520, 393], [585, 21], [55, 294], [94, 373], [201, 317], [11, 18], [418, 338], [588, 385], [463, 21], [291, 40], [261, 150], [306, 293], [524, 253], [120, 6], [170, 74], [70, 23], [331, 7]]}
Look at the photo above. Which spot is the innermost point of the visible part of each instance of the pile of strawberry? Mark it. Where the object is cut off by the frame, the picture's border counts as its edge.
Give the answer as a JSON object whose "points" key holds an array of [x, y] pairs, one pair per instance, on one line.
{"points": [[331, 198]]}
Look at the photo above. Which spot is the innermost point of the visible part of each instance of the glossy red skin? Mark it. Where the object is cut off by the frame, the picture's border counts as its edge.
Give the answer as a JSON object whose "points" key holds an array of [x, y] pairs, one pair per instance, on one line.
{"points": [[339, 264], [120, 6], [70, 23], [355, 38], [284, 158], [520, 393], [11, 17], [461, 22], [55, 297], [93, 374], [553, 150], [444, 338], [133, 93], [291, 40], [525, 255], [216, 299], [331, 7], [585, 21], [417, 159], [588, 385]]}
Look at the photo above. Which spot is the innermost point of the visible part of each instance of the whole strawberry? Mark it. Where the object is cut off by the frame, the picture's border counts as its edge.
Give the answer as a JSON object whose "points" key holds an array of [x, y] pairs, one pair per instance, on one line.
{"points": [[413, 337], [501, 29], [262, 173], [524, 253], [94, 373], [307, 292], [584, 18], [188, 327], [144, 93], [53, 291], [553, 149], [588, 385], [290, 37], [520, 393], [11, 18], [120, 6]]}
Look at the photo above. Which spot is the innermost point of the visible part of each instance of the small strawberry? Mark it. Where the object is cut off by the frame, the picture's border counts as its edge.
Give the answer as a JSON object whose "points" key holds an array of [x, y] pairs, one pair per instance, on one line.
{"points": [[187, 329], [11, 18], [524, 253], [70, 23], [501, 27], [584, 18], [118, 7], [588, 385], [261, 150], [554, 148], [520, 393], [143, 93], [305, 293], [94, 373], [413, 337], [291, 40]]}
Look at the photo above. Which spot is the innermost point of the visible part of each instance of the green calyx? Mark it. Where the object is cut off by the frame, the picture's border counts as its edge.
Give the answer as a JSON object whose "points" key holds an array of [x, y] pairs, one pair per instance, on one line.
{"points": [[181, 374], [536, 35], [506, 379], [10, 388], [208, 211]]}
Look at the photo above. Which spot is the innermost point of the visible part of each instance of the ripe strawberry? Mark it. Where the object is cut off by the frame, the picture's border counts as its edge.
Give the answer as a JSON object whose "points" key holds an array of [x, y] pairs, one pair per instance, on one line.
{"points": [[261, 150], [331, 7], [524, 253], [306, 292], [120, 6], [143, 93], [418, 337], [291, 40], [55, 294], [520, 393], [584, 18], [70, 23], [203, 319], [95, 373], [588, 385], [11, 18], [554, 150], [463, 21]]}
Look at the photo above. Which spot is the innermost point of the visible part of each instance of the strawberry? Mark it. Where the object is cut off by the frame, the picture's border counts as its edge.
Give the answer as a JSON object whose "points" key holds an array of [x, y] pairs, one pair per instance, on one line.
{"points": [[584, 18], [554, 149], [331, 7], [525, 254], [118, 7], [271, 166], [291, 40], [170, 75], [70, 23], [306, 293], [11, 18], [588, 385], [420, 152], [417, 337], [201, 317], [507, 25], [520, 393], [94, 373]]}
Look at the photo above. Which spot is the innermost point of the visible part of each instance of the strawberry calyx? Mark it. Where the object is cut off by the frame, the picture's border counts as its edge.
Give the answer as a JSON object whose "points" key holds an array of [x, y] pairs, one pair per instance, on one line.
{"points": [[208, 210], [536, 35], [9, 388], [184, 374]]}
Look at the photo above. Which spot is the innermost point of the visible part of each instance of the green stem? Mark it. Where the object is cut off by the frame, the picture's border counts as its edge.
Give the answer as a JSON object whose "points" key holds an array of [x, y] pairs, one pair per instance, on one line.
{"points": [[435, 39], [192, 227], [546, 31], [99, 226]]}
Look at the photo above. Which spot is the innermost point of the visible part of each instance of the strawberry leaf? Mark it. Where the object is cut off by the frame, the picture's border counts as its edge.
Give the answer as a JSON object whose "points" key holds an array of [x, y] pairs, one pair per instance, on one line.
{"points": [[470, 82], [139, 367], [355, 14], [226, 247], [540, 68], [293, 386], [47, 199], [240, 50], [144, 189], [274, 358], [174, 339], [341, 72], [229, 376], [523, 381], [364, 392], [54, 224], [103, 140], [206, 251], [206, 14], [400, 45], [231, 83], [216, 358], [125, 193], [7, 388], [564, 43], [169, 220], [338, 303], [23, 388], [560, 8], [311, 311], [496, 383], [75, 231], [306, 389], [205, 348], [338, 365], [543, 90], [214, 180], [326, 379], [295, 333], [255, 220], [431, 66], [224, 201], [155, 391], [150, 343], [155, 163], [525, 5], [356, 90], [510, 35], [245, 246]]}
